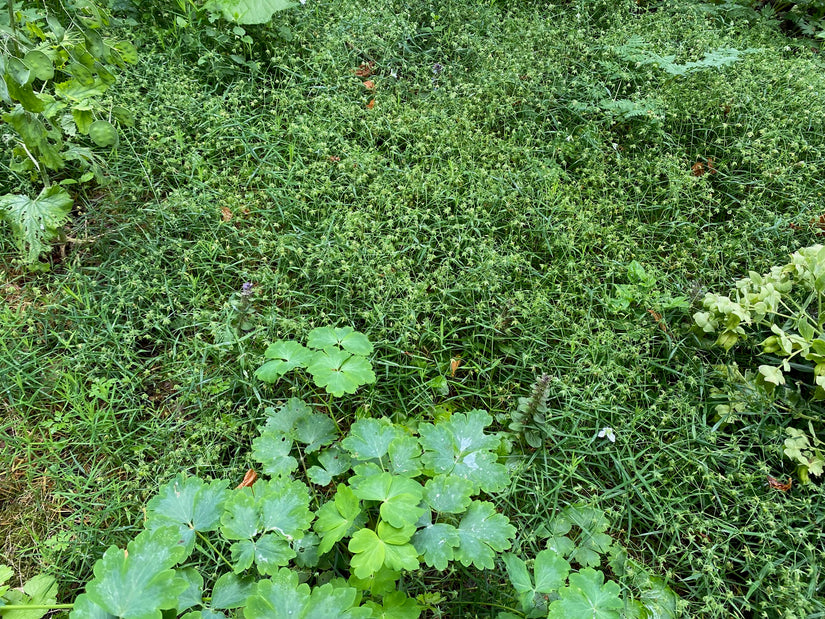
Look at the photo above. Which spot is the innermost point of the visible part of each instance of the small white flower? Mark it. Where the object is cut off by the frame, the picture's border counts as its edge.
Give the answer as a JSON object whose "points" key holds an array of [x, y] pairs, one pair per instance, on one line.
{"points": [[608, 434]]}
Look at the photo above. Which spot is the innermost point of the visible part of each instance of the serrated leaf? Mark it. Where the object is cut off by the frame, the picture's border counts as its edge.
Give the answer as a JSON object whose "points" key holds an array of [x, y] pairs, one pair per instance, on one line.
{"points": [[333, 462], [139, 582], [240, 519], [551, 571], [483, 533], [271, 551], [280, 597], [36, 222], [189, 503], [346, 337], [315, 431], [284, 356], [399, 497], [460, 447], [284, 507], [272, 450], [448, 494], [337, 517], [193, 594], [230, 591], [436, 543], [370, 438], [586, 596], [284, 419], [386, 546], [378, 584], [328, 601], [340, 372], [396, 605], [248, 11], [405, 456], [592, 542], [306, 550], [518, 574]]}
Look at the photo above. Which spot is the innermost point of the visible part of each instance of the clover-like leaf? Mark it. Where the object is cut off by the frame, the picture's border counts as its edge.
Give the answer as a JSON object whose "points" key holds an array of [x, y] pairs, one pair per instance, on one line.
{"points": [[399, 496], [139, 582], [269, 552], [336, 518], [460, 447], [333, 462], [448, 494], [592, 541], [272, 450], [436, 543], [283, 356], [588, 595], [379, 583], [483, 532], [347, 338], [340, 372], [189, 503], [370, 438], [386, 546], [230, 591]]}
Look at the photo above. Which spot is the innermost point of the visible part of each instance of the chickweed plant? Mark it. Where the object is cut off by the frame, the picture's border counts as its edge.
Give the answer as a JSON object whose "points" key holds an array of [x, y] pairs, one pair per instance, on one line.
{"points": [[490, 193]]}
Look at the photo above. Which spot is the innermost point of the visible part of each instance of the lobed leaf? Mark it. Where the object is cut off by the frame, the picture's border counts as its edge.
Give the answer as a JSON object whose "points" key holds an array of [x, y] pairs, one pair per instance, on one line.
{"points": [[483, 533]]}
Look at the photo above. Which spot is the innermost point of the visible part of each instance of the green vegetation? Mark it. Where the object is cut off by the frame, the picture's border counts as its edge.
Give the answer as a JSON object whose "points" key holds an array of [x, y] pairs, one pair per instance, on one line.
{"points": [[521, 208]]}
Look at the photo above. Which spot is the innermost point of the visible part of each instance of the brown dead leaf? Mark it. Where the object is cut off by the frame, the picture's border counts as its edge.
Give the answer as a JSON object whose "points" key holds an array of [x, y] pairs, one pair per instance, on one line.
{"points": [[248, 479], [778, 485], [455, 362], [371, 104], [369, 85], [365, 69], [226, 214]]}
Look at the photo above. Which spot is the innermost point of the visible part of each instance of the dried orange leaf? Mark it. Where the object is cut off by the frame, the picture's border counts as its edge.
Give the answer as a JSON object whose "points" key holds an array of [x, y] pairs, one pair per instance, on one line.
{"points": [[248, 479], [226, 214], [371, 104], [369, 85]]}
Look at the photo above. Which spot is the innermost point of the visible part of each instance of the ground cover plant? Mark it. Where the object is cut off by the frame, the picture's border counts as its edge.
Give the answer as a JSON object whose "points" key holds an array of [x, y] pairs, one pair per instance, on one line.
{"points": [[521, 207]]}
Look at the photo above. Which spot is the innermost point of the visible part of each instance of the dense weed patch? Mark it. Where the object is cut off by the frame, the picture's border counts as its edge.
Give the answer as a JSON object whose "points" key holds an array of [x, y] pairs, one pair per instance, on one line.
{"points": [[515, 162]]}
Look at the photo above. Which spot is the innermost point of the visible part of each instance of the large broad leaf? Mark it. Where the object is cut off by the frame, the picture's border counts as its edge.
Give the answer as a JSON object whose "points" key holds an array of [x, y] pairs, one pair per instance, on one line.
{"points": [[189, 503], [284, 507], [139, 582], [282, 597], [340, 372], [35, 222], [231, 591], [273, 450], [483, 533], [396, 605], [41, 590], [460, 447], [248, 11], [587, 597], [405, 456], [448, 494]]}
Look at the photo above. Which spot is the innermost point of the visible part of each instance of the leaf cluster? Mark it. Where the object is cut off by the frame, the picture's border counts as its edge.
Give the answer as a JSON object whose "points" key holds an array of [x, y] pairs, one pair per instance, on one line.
{"points": [[335, 358]]}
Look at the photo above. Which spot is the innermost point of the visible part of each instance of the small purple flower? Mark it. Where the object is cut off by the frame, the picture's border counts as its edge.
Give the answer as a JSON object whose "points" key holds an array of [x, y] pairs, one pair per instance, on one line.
{"points": [[437, 68], [246, 289]]}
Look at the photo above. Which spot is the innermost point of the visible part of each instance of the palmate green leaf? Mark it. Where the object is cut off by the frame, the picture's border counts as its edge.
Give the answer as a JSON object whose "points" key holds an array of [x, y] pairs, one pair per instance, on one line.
{"points": [[337, 518], [592, 541], [315, 431], [332, 462], [405, 456], [399, 497], [520, 579], [282, 597], [340, 372], [241, 516], [396, 605], [306, 550], [378, 584], [588, 597], [386, 546], [248, 11], [448, 494], [551, 571], [346, 337], [193, 594], [284, 419], [272, 450], [84, 608], [370, 438], [436, 543], [188, 503], [483, 533], [460, 447], [284, 356], [36, 222], [268, 553], [284, 507], [139, 582], [230, 591]]}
